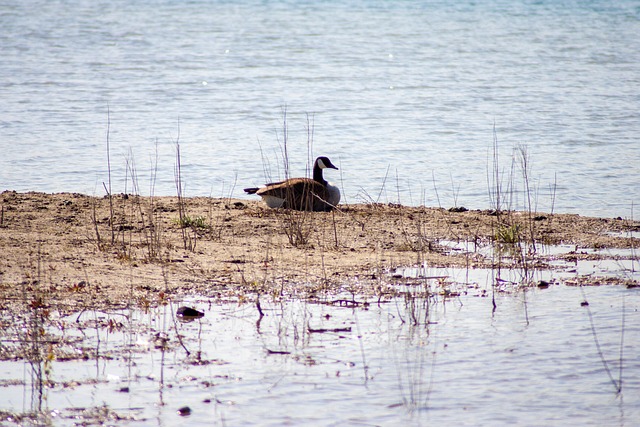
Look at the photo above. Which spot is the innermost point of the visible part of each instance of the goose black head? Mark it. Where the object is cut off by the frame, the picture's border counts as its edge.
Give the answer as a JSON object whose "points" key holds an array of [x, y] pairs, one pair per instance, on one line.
{"points": [[324, 163]]}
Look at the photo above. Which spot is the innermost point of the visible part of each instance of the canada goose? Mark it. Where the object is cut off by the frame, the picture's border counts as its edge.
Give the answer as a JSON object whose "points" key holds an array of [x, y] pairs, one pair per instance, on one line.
{"points": [[302, 194]]}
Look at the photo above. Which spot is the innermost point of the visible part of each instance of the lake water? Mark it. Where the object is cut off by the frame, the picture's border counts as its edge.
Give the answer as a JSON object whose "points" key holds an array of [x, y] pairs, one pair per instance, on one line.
{"points": [[403, 97], [406, 361]]}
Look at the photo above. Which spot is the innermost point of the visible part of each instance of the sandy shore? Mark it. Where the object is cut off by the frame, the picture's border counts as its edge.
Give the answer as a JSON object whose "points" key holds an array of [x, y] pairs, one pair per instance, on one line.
{"points": [[63, 247]]}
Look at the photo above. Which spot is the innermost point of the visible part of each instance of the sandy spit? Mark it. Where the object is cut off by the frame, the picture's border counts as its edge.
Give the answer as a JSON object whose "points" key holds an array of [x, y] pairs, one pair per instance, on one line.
{"points": [[80, 251]]}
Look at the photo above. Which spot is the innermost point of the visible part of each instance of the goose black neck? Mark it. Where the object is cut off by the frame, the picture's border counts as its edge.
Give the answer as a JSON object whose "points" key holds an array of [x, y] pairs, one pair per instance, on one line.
{"points": [[317, 174]]}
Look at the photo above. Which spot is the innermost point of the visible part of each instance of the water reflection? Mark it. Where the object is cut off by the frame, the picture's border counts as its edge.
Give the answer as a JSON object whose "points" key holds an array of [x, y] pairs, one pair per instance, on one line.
{"points": [[422, 357]]}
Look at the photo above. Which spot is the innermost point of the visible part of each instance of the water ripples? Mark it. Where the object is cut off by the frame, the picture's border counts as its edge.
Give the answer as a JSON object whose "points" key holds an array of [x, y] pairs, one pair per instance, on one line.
{"points": [[412, 87]]}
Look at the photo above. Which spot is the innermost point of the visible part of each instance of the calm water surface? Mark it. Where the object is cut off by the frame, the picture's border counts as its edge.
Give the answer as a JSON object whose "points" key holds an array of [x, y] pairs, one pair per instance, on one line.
{"points": [[533, 361], [408, 90]]}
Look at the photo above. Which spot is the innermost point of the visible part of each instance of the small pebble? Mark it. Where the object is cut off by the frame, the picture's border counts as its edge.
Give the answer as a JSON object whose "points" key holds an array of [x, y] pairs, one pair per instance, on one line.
{"points": [[189, 312], [185, 411]]}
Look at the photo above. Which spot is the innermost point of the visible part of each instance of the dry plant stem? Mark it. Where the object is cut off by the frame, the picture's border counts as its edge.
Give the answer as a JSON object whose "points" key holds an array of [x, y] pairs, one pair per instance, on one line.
{"points": [[94, 220], [435, 188], [524, 158], [397, 187], [621, 355], [633, 246], [178, 182], [554, 187], [454, 191], [189, 243], [175, 328], [384, 181], [310, 126], [258, 306], [108, 190], [335, 229], [365, 366], [136, 204], [496, 171], [616, 384], [31, 341], [297, 225], [283, 147], [524, 303], [152, 232]]}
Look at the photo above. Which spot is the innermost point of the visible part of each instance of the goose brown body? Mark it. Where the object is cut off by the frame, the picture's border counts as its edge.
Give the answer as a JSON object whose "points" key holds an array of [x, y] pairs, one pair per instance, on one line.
{"points": [[304, 194]]}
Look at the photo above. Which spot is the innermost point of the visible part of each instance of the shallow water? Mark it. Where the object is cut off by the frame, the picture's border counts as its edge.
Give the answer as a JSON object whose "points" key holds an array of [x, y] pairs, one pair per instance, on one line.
{"points": [[532, 361], [403, 97], [611, 263]]}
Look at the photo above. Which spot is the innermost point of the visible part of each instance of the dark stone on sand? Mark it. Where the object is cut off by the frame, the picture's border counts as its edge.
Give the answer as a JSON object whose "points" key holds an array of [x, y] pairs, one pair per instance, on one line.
{"points": [[189, 312], [543, 284], [458, 209], [185, 411]]}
